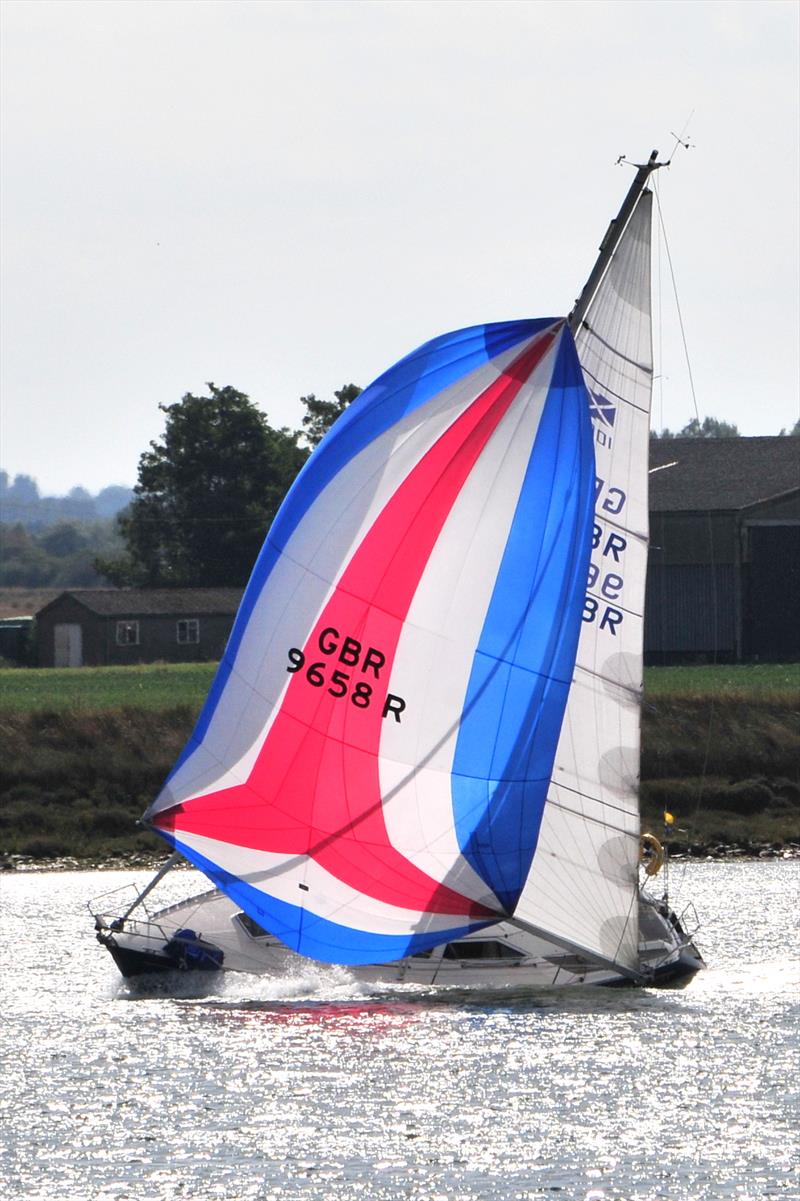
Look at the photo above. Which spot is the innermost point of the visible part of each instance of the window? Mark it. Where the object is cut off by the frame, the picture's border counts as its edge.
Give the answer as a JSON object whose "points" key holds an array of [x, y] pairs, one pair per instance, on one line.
{"points": [[188, 630], [127, 633], [481, 949], [250, 927]]}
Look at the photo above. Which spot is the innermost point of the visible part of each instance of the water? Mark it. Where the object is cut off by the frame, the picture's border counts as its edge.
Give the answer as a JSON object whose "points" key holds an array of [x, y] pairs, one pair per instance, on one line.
{"points": [[313, 1087]]}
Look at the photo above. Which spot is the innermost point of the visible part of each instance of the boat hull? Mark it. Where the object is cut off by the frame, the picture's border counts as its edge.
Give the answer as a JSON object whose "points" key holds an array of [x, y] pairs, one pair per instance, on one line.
{"points": [[209, 933]]}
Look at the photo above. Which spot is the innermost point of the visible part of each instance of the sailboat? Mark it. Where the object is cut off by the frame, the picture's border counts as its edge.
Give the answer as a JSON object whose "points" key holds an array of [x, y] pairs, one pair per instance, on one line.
{"points": [[420, 755]]}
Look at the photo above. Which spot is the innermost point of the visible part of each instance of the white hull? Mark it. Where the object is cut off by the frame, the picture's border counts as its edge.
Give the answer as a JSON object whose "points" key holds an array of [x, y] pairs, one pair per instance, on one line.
{"points": [[209, 932]]}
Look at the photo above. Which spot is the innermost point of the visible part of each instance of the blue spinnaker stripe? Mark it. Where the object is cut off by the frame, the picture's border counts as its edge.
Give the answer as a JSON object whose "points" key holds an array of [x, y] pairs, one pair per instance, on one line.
{"points": [[524, 662], [406, 386], [316, 937]]}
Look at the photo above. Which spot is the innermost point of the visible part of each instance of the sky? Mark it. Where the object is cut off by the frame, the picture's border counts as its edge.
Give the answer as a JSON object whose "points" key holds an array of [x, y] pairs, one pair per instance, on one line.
{"points": [[290, 196]]}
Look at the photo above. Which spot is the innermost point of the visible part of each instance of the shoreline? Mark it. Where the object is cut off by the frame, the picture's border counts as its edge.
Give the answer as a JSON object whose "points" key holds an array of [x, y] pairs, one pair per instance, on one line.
{"points": [[136, 861]]}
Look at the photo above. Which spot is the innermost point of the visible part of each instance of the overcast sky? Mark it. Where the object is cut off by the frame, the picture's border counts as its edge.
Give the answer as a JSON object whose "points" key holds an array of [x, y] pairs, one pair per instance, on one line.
{"points": [[287, 197]]}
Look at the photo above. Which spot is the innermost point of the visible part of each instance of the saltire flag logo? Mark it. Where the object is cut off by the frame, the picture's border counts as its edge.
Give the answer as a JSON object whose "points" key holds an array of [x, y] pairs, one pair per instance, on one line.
{"points": [[602, 409]]}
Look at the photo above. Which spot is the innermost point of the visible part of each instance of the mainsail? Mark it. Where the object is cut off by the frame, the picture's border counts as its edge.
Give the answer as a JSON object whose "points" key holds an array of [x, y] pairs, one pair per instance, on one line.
{"points": [[583, 885], [369, 774]]}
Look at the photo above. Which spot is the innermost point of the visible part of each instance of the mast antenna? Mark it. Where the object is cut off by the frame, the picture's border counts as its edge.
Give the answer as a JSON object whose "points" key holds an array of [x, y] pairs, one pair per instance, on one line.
{"points": [[682, 138]]}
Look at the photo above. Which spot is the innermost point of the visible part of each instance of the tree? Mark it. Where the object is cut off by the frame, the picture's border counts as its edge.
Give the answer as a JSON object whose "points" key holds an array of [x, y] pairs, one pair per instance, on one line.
{"points": [[63, 539], [111, 499], [321, 414], [22, 563], [19, 501], [24, 490], [78, 505], [56, 556], [711, 427], [206, 494]]}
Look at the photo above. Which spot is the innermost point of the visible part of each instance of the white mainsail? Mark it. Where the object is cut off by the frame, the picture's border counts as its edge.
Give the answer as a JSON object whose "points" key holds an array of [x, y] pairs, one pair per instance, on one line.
{"points": [[582, 888]]}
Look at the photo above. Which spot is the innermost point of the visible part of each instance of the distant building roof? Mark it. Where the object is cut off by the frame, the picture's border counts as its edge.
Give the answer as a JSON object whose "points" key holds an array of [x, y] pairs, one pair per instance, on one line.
{"points": [[153, 602], [721, 473]]}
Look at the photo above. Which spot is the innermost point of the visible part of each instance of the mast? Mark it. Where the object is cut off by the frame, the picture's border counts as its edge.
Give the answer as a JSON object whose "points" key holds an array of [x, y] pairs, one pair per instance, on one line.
{"points": [[582, 884], [610, 242]]}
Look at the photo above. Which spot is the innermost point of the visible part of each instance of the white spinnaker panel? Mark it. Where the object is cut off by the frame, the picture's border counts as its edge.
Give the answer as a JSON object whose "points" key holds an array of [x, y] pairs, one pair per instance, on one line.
{"points": [[436, 649], [583, 883]]}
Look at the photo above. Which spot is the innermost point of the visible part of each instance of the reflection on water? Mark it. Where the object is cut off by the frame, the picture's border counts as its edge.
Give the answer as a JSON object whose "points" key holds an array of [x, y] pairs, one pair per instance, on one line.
{"points": [[317, 1087]]}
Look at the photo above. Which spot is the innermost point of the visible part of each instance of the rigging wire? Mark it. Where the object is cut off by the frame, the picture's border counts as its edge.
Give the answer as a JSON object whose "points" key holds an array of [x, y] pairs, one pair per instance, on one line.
{"points": [[692, 823], [681, 326], [660, 326]]}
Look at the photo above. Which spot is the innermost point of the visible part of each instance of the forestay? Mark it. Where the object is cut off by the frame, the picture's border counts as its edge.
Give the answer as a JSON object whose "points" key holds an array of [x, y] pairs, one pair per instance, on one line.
{"points": [[583, 885], [368, 776]]}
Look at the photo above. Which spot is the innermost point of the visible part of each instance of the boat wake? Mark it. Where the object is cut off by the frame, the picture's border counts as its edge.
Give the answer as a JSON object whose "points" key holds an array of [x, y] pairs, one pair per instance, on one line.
{"points": [[318, 989], [312, 983]]}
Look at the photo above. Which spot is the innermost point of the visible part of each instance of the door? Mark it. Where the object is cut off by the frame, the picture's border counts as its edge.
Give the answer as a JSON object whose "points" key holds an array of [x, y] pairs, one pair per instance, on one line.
{"points": [[68, 645], [771, 630]]}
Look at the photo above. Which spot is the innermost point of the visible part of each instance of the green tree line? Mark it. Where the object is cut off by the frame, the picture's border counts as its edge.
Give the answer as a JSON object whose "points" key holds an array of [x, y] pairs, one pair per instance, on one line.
{"points": [[58, 556], [21, 503], [712, 427]]}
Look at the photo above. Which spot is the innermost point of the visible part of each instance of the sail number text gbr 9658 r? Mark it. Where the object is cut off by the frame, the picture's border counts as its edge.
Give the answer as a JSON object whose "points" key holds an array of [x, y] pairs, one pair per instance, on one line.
{"points": [[359, 661], [605, 577]]}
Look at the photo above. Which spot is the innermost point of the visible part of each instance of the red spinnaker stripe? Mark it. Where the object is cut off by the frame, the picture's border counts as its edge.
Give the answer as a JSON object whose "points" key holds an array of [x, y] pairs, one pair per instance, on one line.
{"points": [[314, 789]]}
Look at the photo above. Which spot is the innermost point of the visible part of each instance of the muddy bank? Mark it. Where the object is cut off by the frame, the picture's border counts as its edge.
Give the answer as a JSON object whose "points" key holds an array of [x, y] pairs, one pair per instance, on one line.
{"points": [[73, 785]]}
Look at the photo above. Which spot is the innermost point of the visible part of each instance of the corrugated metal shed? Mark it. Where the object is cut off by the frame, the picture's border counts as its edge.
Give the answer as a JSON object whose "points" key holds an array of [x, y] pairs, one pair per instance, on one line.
{"points": [[724, 569]]}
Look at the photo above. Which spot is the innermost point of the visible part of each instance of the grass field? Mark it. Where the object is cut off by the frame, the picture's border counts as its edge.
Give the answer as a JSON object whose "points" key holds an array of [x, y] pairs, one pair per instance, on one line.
{"points": [[152, 686], [728, 679], [157, 686]]}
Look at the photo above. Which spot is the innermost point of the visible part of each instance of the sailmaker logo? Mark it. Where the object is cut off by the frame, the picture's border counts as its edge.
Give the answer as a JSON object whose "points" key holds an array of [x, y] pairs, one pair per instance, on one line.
{"points": [[602, 409]]}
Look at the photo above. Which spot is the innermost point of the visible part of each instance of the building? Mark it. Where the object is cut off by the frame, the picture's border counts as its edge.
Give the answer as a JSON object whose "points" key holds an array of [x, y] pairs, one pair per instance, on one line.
{"points": [[103, 626], [724, 569], [16, 640]]}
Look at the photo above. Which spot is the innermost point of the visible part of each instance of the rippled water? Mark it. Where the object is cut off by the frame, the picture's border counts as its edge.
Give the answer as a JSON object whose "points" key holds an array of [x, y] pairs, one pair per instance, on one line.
{"points": [[313, 1087]]}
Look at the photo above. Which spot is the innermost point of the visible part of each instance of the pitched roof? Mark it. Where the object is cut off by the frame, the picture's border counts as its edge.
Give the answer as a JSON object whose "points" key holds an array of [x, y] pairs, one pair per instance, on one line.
{"points": [[154, 602], [721, 473]]}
